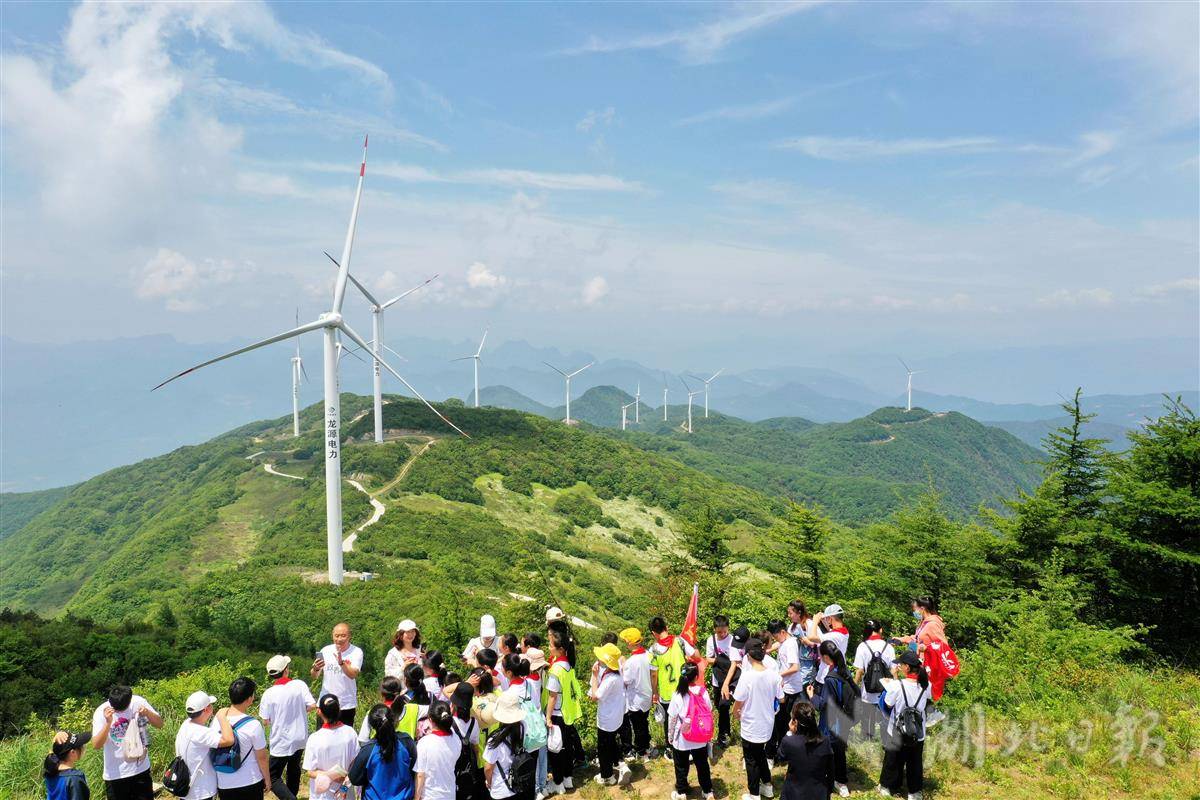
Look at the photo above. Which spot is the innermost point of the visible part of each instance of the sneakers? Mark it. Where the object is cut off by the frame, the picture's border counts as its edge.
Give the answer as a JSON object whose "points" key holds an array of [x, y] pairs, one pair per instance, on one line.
{"points": [[723, 742], [884, 792], [609, 781], [842, 789], [709, 796], [568, 783], [914, 796], [766, 790], [651, 754], [770, 763], [552, 789], [678, 796], [624, 775], [749, 796], [933, 718]]}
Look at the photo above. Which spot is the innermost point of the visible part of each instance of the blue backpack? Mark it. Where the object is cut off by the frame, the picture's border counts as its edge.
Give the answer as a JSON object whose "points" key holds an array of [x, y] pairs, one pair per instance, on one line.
{"points": [[230, 759]]}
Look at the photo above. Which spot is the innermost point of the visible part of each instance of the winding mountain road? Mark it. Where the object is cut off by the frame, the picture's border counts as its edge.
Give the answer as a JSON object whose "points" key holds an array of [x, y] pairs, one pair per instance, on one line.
{"points": [[380, 510]]}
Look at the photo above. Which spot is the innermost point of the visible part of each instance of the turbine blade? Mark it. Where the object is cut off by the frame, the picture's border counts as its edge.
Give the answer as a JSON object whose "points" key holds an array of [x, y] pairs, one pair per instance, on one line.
{"points": [[556, 369], [304, 372], [901, 360], [354, 351], [310, 326], [481, 341], [393, 352], [685, 385], [581, 369], [400, 297], [339, 289], [715, 374], [370, 297], [464, 358], [359, 340]]}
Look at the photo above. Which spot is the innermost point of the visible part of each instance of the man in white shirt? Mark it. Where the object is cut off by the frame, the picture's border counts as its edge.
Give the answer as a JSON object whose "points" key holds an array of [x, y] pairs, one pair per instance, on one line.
{"points": [[247, 781], [195, 741], [719, 644], [485, 640], [125, 714], [829, 623], [329, 753], [339, 664], [284, 707], [758, 689]]}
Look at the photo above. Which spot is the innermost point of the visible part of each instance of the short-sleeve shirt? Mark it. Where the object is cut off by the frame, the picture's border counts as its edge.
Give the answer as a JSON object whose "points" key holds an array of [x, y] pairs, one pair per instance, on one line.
{"points": [[194, 744], [862, 657], [758, 691], [251, 737], [675, 712], [436, 756], [336, 682], [714, 647], [789, 656], [914, 696], [328, 748], [285, 706], [635, 674], [840, 637], [500, 755], [115, 766], [610, 701]]}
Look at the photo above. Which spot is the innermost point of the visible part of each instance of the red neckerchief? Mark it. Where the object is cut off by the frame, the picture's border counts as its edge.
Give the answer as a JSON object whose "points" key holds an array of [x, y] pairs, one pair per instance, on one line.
{"points": [[516, 682], [839, 630], [562, 660], [874, 636], [495, 673], [388, 703], [437, 732], [911, 677], [666, 640], [280, 681], [637, 651], [332, 725]]}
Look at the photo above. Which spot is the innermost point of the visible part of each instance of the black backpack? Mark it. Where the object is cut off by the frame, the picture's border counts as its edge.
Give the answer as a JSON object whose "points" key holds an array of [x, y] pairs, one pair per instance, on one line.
{"points": [[910, 723], [521, 777], [721, 666], [468, 777], [178, 778], [875, 672]]}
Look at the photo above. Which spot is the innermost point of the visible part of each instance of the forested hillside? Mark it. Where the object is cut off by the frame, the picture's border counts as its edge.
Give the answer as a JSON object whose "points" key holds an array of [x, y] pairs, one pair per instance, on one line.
{"points": [[17, 508]]}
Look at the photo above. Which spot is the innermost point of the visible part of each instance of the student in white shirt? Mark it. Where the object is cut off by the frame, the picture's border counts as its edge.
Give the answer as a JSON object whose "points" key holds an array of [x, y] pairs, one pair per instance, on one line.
{"points": [[719, 647], [339, 665], [788, 659], [248, 782], [507, 715], [684, 751], [124, 714], [195, 740], [329, 753], [406, 649], [802, 626], [903, 758], [635, 675], [832, 629], [873, 643], [608, 690], [485, 640], [437, 753], [284, 708], [758, 691]]}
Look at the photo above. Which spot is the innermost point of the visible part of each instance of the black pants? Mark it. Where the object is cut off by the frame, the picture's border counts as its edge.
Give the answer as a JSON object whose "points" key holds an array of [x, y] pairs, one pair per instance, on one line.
{"points": [[639, 724], [699, 757], [347, 716], [574, 744], [562, 763], [252, 792], [606, 748], [783, 718], [135, 787], [722, 708], [902, 764], [871, 719], [286, 790], [839, 760], [666, 727], [758, 771]]}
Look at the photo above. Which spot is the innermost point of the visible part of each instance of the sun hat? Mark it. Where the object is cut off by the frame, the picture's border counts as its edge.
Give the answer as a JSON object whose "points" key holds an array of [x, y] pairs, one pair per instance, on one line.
{"points": [[198, 701], [506, 709], [487, 626], [630, 636], [833, 610], [406, 625], [609, 655], [535, 657], [277, 664], [553, 613]]}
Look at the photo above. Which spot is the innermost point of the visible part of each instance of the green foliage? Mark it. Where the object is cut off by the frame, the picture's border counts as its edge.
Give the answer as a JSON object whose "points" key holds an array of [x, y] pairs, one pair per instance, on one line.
{"points": [[578, 508], [17, 508], [707, 542], [1076, 461], [798, 541]]}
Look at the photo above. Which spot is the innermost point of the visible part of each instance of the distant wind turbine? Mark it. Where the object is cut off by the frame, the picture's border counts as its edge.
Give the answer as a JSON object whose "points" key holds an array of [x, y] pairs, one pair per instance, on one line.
{"points": [[567, 377], [377, 345], [911, 372], [690, 395], [475, 358], [332, 325], [707, 381], [664, 397], [297, 371], [625, 413], [637, 405]]}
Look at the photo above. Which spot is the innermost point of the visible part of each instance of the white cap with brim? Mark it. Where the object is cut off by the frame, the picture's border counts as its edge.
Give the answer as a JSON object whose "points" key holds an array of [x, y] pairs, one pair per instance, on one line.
{"points": [[487, 626], [406, 625], [198, 701], [553, 613], [278, 664], [833, 610]]}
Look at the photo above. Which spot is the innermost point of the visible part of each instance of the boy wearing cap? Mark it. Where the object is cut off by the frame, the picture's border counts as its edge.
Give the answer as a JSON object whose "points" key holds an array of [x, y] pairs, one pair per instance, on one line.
{"points": [[124, 714], [329, 753], [284, 707], [485, 640], [829, 623], [639, 692], [63, 780], [195, 741], [608, 690]]}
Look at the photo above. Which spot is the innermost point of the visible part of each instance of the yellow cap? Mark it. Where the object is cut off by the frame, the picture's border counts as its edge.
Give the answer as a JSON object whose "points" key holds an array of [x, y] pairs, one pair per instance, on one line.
{"points": [[609, 655], [630, 636]]}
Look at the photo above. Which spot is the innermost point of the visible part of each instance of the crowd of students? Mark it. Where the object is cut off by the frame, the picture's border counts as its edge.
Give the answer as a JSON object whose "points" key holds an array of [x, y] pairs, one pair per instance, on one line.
{"points": [[504, 725]]}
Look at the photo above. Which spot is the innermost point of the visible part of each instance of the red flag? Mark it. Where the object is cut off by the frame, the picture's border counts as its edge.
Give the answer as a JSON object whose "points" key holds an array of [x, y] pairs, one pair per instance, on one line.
{"points": [[691, 627]]}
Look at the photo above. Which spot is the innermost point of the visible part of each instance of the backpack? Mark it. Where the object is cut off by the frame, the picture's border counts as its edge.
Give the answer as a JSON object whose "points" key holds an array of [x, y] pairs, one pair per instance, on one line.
{"points": [[721, 666], [468, 777], [535, 724], [178, 778], [945, 657], [875, 672], [699, 719], [522, 773], [910, 723], [230, 759]]}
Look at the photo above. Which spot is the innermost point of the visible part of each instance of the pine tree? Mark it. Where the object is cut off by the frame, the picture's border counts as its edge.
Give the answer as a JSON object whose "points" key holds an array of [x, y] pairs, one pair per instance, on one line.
{"points": [[799, 542], [707, 543], [1077, 461]]}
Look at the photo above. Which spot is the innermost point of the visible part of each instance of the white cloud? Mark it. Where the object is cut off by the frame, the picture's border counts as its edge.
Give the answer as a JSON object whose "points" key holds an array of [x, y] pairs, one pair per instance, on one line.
{"points": [[504, 178], [853, 148], [701, 43], [180, 282], [1183, 286], [594, 290], [480, 276], [594, 118], [766, 108], [1086, 298]]}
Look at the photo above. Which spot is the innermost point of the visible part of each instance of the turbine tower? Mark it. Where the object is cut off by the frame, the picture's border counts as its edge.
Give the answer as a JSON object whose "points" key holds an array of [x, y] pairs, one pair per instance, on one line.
{"points": [[664, 397], [911, 372], [710, 379], [690, 395], [637, 405], [625, 413], [377, 345], [297, 371], [332, 325], [567, 377], [475, 358]]}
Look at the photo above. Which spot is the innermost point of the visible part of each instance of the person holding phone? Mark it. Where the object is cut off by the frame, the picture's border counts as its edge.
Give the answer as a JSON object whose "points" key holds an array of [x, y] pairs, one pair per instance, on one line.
{"points": [[339, 665]]}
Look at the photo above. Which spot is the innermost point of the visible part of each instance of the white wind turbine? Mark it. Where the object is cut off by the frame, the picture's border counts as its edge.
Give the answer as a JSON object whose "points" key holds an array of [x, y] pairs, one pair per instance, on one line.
{"points": [[297, 371], [710, 379], [625, 413], [911, 372], [637, 405], [475, 358], [690, 395], [567, 377], [377, 345], [664, 397], [332, 325]]}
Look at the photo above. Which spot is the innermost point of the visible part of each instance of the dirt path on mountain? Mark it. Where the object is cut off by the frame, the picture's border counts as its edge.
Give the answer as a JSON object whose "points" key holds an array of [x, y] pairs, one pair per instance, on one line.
{"points": [[380, 510], [429, 442], [269, 467]]}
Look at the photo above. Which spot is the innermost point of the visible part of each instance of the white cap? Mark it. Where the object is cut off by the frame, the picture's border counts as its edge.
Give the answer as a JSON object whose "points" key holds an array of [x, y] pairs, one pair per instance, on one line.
{"points": [[487, 626], [198, 701], [277, 664], [553, 613], [406, 625], [833, 610]]}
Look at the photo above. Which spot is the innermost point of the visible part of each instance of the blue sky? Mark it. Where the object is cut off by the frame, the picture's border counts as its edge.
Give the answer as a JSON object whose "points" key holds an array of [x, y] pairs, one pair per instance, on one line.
{"points": [[630, 179]]}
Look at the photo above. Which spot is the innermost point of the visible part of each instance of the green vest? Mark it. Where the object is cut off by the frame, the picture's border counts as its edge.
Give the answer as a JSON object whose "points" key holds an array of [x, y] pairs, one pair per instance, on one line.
{"points": [[571, 712], [669, 665]]}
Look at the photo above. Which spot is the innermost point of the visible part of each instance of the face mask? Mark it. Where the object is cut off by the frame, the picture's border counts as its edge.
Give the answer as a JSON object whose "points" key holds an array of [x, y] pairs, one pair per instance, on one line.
{"points": [[916, 615]]}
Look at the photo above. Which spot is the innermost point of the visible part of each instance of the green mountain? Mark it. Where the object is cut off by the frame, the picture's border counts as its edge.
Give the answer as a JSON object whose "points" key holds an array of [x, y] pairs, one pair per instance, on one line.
{"points": [[17, 508], [504, 397]]}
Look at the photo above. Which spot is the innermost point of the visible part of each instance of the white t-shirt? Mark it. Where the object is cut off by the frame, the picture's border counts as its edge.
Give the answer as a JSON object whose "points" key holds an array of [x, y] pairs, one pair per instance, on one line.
{"points": [[862, 657], [251, 737], [328, 748], [469, 729], [714, 647], [675, 713], [396, 660], [501, 756], [534, 682], [436, 756], [115, 765], [914, 695], [334, 681], [434, 687], [610, 701], [840, 637], [527, 689], [194, 744], [635, 674], [477, 644], [789, 656], [285, 707], [554, 686], [758, 691]]}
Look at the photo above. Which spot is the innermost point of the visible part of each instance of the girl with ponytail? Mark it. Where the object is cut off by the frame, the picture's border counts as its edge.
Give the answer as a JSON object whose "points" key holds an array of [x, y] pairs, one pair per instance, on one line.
{"points": [[837, 699], [808, 755], [383, 767], [437, 753], [905, 703], [688, 693], [63, 780]]}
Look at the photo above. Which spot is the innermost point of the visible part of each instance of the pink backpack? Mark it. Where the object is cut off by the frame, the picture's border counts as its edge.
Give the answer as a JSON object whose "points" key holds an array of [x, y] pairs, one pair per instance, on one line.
{"points": [[698, 719]]}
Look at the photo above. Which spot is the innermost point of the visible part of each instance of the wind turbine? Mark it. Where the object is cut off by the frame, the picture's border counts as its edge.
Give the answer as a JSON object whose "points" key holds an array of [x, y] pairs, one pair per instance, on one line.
{"points": [[690, 395], [710, 379], [637, 405], [664, 397], [625, 413], [910, 372], [297, 371], [568, 377], [332, 325], [377, 345], [475, 358]]}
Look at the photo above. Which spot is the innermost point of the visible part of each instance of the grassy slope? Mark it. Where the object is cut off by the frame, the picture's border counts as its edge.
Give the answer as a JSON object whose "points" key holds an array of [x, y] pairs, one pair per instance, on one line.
{"points": [[18, 508]]}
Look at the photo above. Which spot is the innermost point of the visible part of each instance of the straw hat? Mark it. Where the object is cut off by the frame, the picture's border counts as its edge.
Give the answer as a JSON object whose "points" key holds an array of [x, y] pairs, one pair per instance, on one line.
{"points": [[505, 709]]}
